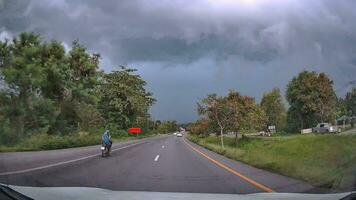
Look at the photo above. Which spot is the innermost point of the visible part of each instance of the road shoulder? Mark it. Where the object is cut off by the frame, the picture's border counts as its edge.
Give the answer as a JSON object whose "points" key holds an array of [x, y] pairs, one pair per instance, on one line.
{"points": [[276, 182]]}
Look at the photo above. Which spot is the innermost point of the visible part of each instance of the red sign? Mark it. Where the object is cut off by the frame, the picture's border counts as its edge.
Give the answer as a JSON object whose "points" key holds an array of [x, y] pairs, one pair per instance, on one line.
{"points": [[134, 130]]}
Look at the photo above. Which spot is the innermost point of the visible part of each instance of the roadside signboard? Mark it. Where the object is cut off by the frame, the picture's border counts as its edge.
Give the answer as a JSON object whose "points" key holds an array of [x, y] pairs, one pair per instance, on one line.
{"points": [[306, 131], [134, 130]]}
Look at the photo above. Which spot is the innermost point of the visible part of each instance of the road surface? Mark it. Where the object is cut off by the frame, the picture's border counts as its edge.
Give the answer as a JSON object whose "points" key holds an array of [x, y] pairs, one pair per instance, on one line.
{"points": [[163, 163]]}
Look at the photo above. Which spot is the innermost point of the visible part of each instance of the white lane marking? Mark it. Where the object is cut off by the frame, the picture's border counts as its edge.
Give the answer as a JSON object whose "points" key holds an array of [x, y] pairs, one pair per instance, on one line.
{"points": [[156, 159], [163, 147], [64, 162]]}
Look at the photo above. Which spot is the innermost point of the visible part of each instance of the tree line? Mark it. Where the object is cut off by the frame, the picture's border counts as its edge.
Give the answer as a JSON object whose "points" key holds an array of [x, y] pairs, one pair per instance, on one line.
{"points": [[45, 89], [311, 100]]}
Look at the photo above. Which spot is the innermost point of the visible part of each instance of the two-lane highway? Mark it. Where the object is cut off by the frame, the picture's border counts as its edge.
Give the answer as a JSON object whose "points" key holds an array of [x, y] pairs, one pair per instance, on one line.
{"points": [[163, 163]]}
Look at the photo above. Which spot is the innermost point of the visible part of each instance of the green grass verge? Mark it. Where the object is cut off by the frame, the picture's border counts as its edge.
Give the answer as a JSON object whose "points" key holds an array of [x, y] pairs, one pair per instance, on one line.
{"points": [[50, 142], [323, 160]]}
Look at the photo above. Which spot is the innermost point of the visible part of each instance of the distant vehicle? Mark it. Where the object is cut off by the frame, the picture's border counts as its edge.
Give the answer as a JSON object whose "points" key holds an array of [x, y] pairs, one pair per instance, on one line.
{"points": [[326, 128], [265, 132], [175, 133], [179, 135]]}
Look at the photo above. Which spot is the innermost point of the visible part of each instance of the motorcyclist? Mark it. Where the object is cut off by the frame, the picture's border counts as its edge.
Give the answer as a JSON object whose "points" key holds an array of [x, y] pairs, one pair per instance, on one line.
{"points": [[106, 139]]}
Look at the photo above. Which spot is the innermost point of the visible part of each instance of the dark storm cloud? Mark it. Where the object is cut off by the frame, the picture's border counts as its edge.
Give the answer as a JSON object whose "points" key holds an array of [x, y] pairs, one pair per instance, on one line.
{"points": [[249, 45]]}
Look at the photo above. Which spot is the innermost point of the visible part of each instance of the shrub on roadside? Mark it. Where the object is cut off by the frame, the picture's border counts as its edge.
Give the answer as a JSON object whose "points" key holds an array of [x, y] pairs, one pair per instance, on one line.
{"points": [[49, 142]]}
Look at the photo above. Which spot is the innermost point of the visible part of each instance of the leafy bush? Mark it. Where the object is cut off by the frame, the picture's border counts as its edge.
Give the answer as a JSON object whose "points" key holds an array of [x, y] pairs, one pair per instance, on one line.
{"points": [[119, 133], [49, 142]]}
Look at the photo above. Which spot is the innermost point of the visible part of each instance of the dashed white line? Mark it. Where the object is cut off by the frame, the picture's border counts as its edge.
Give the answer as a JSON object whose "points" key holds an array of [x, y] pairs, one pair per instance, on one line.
{"points": [[64, 162], [156, 159]]}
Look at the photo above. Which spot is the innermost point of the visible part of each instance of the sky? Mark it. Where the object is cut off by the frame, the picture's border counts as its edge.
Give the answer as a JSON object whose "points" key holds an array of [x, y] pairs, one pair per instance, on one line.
{"points": [[186, 49]]}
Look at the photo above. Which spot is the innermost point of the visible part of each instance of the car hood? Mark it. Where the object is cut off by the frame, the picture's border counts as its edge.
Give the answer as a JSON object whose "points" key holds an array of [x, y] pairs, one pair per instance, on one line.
{"points": [[87, 193]]}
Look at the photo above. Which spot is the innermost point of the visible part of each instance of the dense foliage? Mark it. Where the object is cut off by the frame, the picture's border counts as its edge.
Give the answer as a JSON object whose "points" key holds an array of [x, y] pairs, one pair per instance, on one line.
{"points": [[124, 99], [350, 102], [166, 127], [311, 98], [272, 104], [45, 89], [231, 113]]}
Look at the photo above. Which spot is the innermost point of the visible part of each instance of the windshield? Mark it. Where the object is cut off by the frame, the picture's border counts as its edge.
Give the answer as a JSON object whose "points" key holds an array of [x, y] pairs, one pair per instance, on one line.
{"points": [[206, 96]]}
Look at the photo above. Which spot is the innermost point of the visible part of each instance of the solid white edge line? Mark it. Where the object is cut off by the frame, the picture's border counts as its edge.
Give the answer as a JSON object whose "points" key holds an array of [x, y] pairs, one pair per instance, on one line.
{"points": [[156, 159], [64, 162]]}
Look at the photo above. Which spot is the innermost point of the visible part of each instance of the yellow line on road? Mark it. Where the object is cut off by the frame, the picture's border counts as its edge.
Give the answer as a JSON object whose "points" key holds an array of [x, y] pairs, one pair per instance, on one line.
{"points": [[259, 185]]}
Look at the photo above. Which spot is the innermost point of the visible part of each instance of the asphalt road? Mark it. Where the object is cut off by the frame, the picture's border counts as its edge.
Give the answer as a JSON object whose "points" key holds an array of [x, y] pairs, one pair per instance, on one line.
{"points": [[163, 164]]}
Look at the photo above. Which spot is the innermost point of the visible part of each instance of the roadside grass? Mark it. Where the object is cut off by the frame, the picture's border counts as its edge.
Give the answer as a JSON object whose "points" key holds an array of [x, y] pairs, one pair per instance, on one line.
{"points": [[327, 161], [38, 142], [49, 142]]}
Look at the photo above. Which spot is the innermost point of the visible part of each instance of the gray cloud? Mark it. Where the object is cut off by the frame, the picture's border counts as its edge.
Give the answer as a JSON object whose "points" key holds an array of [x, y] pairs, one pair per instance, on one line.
{"points": [[201, 46]]}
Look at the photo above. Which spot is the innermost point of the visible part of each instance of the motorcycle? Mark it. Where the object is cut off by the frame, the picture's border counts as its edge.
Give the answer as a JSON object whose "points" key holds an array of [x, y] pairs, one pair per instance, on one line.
{"points": [[104, 150]]}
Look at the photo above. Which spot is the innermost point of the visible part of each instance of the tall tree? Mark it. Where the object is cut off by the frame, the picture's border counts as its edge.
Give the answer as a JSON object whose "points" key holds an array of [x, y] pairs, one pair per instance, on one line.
{"points": [[350, 102], [217, 109], [78, 83], [272, 104], [84, 76], [350, 105], [57, 71], [23, 74], [247, 114], [123, 98], [311, 98]]}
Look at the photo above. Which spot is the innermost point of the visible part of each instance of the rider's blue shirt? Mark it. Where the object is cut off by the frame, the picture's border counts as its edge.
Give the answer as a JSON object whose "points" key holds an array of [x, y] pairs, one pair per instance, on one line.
{"points": [[106, 138]]}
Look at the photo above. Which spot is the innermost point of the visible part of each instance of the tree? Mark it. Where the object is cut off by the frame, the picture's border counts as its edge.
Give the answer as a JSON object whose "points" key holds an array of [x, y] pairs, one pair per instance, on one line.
{"points": [[84, 76], [123, 98], [46, 90], [156, 124], [23, 73], [200, 127], [350, 102], [247, 115], [233, 112], [216, 109], [167, 127], [311, 98], [78, 83], [57, 71], [272, 104]]}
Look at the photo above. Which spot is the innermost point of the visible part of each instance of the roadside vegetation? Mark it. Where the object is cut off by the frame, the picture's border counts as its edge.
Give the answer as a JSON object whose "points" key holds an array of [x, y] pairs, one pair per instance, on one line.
{"points": [[38, 142], [311, 100], [327, 161], [50, 96], [49, 142], [323, 160]]}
